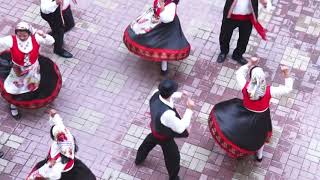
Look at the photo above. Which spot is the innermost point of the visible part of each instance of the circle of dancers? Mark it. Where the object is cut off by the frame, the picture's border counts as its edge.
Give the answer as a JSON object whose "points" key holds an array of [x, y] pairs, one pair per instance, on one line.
{"points": [[241, 127]]}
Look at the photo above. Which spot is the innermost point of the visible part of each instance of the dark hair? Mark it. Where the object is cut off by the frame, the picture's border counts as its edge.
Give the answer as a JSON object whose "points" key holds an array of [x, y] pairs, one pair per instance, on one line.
{"points": [[19, 30], [76, 147], [250, 72], [167, 88], [174, 1]]}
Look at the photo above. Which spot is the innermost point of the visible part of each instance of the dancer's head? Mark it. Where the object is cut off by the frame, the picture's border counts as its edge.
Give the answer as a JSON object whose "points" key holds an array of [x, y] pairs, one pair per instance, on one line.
{"points": [[257, 85], [167, 88], [23, 31]]}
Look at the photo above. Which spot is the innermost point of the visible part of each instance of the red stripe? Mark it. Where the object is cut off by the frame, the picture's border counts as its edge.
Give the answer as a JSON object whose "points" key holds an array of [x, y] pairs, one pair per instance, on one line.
{"points": [[154, 54]]}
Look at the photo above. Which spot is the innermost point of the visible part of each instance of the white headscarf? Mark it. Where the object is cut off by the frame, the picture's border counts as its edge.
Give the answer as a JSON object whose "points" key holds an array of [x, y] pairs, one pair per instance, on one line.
{"points": [[257, 85], [25, 27]]}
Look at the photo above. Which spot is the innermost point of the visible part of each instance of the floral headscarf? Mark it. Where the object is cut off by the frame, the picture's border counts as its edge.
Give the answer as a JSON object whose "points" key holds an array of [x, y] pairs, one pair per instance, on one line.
{"points": [[257, 85]]}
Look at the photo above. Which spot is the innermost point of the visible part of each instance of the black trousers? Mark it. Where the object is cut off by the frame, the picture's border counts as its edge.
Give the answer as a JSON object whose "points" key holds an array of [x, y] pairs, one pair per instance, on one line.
{"points": [[68, 19], [170, 151], [227, 27], [57, 27]]}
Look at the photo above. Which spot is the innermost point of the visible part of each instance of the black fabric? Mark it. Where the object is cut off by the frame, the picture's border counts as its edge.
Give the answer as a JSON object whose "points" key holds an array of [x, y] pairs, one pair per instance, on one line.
{"points": [[227, 27], [157, 108], [68, 19], [227, 6], [48, 80], [164, 36], [79, 171], [244, 128], [170, 152], [56, 25], [5, 65]]}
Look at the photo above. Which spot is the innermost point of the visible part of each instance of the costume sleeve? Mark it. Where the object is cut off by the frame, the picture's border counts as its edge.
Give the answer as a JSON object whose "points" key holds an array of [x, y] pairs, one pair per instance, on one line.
{"points": [[48, 40], [168, 14], [241, 76], [5, 43], [170, 120], [176, 95], [282, 90]]}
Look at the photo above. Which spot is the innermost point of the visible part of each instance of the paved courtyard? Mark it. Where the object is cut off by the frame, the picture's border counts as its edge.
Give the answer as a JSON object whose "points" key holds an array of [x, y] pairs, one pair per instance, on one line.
{"points": [[104, 99]]}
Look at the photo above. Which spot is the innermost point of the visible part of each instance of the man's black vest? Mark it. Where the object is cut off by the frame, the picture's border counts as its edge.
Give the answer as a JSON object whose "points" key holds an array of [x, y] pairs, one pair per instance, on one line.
{"points": [[227, 6], [157, 108]]}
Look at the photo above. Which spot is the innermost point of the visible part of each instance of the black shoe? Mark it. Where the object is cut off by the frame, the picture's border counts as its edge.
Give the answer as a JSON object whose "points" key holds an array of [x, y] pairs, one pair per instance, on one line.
{"points": [[164, 73], [241, 60], [259, 160], [221, 58], [1, 154], [64, 53], [138, 161], [15, 116]]}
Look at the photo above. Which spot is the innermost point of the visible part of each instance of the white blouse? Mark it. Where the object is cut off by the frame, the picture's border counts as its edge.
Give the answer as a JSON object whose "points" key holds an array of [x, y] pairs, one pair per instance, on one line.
{"points": [[169, 12], [24, 46]]}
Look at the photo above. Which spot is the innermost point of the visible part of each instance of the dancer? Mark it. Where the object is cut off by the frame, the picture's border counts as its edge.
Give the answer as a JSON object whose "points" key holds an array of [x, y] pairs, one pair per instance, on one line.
{"points": [[241, 127], [52, 12], [27, 79], [61, 162], [242, 14], [166, 124], [157, 36]]}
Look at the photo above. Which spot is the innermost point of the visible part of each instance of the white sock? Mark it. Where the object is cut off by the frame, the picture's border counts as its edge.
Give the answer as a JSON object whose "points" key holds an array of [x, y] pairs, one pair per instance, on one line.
{"points": [[15, 111], [259, 152], [164, 65]]}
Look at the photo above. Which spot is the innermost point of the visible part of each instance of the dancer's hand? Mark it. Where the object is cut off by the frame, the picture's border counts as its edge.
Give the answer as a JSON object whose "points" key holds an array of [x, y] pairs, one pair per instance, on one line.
{"points": [[285, 71], [52, 112], [253, 61], [75, 1], [59, 2], [264, 3], [41, 33], [185, 93], [190, 103]]}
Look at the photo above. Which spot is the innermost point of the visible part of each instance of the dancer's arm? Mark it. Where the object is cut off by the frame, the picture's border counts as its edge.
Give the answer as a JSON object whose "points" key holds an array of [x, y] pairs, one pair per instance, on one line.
{"points": [[283, 90], [43, 38], [5, 43], [168, 13]]}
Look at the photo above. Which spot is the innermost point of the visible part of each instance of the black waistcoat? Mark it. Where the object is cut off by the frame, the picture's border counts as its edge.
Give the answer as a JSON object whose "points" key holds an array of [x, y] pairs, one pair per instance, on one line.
{"points": [[157, 108]]}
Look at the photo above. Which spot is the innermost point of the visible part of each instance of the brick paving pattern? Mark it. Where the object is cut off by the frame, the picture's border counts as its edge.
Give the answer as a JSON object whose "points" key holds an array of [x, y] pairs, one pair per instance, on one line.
{"points": [[104, 99]]}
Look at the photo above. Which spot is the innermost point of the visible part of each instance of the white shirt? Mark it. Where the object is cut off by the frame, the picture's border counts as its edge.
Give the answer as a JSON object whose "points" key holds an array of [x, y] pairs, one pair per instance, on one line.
{"points": [[169, 118], [274, 91], [66, 3], [48, 6], [169, 12], [24, 46], [242, 7]]}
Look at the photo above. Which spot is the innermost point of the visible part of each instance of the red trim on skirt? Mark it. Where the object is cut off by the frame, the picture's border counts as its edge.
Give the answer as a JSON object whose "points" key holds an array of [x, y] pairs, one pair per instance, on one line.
{"points": [[231, 149], [37, 103], [154, 54]]}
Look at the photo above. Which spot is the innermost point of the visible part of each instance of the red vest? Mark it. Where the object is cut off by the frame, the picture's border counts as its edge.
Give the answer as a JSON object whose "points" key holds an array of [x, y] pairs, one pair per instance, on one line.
{"points": [[257, 105], [18, 56], [69, 164]]}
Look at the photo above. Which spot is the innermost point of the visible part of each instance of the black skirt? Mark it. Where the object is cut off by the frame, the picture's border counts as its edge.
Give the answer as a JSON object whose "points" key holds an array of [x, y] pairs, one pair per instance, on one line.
{"points": [[237, 130], [49, 87], [79, 171], [166, 42]]}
